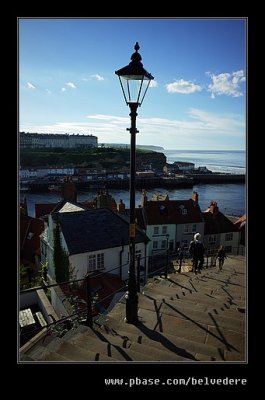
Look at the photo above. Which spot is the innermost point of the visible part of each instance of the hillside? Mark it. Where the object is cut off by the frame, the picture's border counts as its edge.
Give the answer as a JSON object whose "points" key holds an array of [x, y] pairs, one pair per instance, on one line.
{"points": [[95, 157]]}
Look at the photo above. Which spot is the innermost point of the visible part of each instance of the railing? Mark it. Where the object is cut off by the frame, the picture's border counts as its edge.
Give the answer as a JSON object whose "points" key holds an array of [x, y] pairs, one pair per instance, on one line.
{"points": [[86, 308]]}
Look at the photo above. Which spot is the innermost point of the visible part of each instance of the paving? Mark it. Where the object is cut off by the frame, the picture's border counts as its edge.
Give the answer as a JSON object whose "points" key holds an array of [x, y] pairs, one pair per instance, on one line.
{"points": [[186, 318]]}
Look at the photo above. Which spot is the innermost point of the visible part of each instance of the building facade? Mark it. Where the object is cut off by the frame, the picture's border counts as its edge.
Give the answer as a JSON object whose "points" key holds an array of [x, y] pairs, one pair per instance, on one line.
{"points": [[219, 231], [50, 140]]}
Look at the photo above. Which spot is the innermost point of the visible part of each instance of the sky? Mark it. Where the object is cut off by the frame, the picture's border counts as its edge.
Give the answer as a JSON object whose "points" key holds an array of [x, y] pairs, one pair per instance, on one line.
{"points": [[197, 100]]}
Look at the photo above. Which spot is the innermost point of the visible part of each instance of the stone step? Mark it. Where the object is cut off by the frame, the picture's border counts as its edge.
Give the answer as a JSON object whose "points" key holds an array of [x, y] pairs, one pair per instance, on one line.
{"points": [[134, 341], [200, 302], [87, 341], [25, 357], [189, 329], [121, 349], [76, 353], [174, 343], [219, 292], [41, 353], [197, 298], [162, 354]]}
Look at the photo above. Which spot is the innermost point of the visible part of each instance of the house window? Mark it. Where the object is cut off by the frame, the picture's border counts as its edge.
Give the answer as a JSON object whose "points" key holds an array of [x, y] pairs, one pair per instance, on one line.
{"points": [[228, 237], [95, 262], [212, 239], [100, 261], [163, 244], [164, 230], [186, 228], [228, 249], [194, 228], [156, 230], [155, 244], [91, 263]]}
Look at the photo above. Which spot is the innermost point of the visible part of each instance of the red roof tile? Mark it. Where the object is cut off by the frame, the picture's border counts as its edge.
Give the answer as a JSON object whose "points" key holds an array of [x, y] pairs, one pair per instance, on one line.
{"points": [[171, 212], [44, 209]]}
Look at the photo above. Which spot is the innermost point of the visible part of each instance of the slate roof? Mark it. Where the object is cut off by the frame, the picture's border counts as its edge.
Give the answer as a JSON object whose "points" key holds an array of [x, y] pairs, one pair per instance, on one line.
{"points": [[170, 212], [218, 223], [93, 230]]}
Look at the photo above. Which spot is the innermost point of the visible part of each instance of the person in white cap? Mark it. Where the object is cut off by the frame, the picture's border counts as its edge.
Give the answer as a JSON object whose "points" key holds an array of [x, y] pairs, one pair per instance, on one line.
{"points": [[196, 250]]}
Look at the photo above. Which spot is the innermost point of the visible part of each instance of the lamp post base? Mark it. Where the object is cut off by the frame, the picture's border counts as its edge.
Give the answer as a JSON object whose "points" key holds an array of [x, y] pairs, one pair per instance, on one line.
{"points": [[131, 309]]}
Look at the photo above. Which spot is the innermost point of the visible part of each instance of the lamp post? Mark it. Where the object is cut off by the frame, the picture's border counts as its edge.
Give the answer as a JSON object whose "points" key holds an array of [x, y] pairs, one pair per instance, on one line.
{"points": [[134, 80]]}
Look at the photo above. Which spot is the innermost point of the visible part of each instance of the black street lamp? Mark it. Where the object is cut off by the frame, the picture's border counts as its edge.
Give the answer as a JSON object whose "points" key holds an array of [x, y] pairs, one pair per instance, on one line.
{"points": [[134, 80]]}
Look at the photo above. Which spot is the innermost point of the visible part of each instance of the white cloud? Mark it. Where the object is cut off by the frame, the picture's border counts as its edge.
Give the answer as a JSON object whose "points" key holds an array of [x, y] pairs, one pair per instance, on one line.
{"points": [[63, 89], [184, 87], [153, 84], [199, 129], [48, 91], [71, 85], [30, 86], [226, 84], [97, 77]]}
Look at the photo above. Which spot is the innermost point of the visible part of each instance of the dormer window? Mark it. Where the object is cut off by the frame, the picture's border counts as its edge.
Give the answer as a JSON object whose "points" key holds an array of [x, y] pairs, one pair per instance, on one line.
{"points": [[182, 209], [163, 210]]}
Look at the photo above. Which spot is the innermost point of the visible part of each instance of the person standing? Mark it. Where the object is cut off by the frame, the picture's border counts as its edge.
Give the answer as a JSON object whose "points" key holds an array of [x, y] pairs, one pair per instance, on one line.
{"points": [[221, 257], [196, 250]]}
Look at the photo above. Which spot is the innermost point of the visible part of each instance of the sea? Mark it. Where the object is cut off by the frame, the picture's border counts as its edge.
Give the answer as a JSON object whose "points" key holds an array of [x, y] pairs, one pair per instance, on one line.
{"points": [[231, 198], [233, 162]]}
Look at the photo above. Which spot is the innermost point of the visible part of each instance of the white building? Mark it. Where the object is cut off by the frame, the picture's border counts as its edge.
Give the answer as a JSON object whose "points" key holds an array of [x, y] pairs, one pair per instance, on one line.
{"points": [[95, 239], [171, 223], [35, 140]]}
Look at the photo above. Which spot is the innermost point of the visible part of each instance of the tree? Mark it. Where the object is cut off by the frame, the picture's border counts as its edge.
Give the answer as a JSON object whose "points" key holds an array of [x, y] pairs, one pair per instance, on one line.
{"points": [[60, 257]]}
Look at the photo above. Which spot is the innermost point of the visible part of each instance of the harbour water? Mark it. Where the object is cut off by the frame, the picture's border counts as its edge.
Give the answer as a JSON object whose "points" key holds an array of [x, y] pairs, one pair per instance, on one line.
{"points": [[231, 198]]}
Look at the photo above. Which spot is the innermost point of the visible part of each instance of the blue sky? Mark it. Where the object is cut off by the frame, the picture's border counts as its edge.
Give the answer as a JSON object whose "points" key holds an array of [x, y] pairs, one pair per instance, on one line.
{"points": [[197, 100]]}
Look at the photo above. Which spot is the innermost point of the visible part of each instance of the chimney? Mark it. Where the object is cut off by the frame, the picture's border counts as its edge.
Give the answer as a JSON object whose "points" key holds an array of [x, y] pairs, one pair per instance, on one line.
{"points": [[143, 199], [121, 207], [69, 192], [213, 208], [105, 200]]}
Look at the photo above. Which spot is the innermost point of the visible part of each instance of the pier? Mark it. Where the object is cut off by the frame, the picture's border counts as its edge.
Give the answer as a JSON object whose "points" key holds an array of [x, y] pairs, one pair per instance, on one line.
{"points": [[145, 183]]}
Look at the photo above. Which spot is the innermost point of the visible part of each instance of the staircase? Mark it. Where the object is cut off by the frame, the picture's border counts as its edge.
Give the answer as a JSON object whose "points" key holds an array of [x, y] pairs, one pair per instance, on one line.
{"points": [[186, 318]]}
